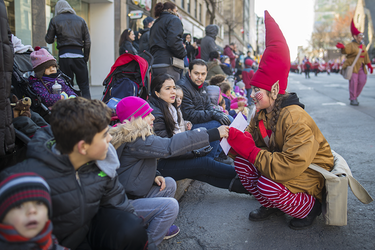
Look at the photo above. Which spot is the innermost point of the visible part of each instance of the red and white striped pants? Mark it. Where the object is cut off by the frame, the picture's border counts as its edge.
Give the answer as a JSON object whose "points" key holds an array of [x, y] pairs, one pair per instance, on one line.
{"points": [[270, 193]]}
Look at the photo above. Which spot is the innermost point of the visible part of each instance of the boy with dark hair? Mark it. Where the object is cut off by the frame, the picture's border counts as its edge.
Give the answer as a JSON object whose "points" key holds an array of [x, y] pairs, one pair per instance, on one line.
{"points": [[76, 159], [25, 208]]}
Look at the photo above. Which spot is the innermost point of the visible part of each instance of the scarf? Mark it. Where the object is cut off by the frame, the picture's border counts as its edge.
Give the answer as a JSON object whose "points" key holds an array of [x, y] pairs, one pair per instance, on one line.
{"points": [[44, 239], [173, 112], [53, 75], [172, 12]]}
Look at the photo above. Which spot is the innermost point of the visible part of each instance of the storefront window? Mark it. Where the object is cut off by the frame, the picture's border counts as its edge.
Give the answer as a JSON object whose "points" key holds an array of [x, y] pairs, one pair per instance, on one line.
{"points": [[143, 6], [19, 19]]}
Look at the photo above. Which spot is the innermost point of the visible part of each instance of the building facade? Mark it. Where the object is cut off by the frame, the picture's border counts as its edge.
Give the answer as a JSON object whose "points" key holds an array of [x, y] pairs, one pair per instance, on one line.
{"points": [[106, 19]]}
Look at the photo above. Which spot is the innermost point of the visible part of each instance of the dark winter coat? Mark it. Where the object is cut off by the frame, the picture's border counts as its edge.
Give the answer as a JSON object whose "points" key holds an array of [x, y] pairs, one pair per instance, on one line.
{"points": [[166, 39], [71, 33], [127, 47], [159, 123], [144, 41], [208, 42], [138, 159], [214, 69], [76, 194], [7, 136], [196, 106], [226, 69], [191, 51]]}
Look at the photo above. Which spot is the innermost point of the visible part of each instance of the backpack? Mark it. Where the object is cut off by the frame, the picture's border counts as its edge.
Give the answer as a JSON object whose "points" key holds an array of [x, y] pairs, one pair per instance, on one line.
{"points": [[123, 87]]}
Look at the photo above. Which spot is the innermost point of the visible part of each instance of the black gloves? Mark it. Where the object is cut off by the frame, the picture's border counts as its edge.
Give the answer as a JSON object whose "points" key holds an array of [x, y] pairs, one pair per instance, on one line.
{"points": [[221, 117], [202, 151]]}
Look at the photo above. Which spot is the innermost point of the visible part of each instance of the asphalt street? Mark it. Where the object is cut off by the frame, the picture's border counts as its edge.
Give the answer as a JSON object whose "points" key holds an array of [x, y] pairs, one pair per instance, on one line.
{"points": [[211, 218]]}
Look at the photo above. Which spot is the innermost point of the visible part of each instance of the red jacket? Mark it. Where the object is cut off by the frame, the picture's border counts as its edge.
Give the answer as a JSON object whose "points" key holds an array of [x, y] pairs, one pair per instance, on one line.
{"points": [[246, 77], [198, 56], [228, 52]]}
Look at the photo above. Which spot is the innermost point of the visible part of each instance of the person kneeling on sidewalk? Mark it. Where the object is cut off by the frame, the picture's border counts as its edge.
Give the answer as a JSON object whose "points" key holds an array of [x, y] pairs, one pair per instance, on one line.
{"points": [[272, 157]]}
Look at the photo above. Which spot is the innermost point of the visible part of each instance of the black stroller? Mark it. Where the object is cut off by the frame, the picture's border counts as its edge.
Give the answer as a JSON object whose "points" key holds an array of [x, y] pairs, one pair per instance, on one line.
{"points": [[129, 76], [22, 69]]}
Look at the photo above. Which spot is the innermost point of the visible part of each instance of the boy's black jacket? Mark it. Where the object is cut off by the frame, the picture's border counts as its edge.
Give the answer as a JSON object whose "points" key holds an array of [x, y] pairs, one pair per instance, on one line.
{"points": [[76, 195]]}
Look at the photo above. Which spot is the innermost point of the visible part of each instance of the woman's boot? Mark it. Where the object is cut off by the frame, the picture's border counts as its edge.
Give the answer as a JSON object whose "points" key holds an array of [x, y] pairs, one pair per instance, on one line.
{"points": [[236, 186]]}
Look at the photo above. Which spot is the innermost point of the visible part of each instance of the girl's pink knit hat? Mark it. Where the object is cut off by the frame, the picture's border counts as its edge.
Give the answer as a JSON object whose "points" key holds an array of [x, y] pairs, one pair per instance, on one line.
{"points": [[132, 107], [40, 56]]}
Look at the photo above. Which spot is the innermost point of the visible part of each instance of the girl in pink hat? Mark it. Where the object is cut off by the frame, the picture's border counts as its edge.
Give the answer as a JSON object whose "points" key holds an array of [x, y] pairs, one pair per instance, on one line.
{"points": [[46, 75], [272, 157], [139, 149]]}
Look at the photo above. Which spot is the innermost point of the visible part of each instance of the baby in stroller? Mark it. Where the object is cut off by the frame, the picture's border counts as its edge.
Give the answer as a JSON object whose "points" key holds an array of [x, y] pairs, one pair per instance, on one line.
{"points": [[46, 76]]}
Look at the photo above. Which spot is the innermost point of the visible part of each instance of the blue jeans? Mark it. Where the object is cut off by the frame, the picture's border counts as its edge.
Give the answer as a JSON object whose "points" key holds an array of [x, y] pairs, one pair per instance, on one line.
{"points": [[230, 118], [159, 209], [216, 149], [204, 169], [248, 94]]}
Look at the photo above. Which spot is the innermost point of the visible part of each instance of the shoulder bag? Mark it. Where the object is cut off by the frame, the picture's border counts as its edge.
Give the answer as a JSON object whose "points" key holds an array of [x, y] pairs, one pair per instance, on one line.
{"points": [[348, 71], [335, 197]]}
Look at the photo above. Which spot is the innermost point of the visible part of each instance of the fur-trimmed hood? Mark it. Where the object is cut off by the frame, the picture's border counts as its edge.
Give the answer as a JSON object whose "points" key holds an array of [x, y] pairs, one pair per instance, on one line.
{"points": [[129, 131], [213, 63]]}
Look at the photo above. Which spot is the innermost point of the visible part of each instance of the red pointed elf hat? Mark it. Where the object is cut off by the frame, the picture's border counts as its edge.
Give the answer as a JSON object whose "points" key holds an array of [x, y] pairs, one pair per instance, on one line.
{"points": [[275, 63], [354, 30]]}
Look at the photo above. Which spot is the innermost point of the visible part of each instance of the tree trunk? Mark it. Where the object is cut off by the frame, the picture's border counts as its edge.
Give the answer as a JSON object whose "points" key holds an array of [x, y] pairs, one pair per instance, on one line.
{"points": [[213, 13]]}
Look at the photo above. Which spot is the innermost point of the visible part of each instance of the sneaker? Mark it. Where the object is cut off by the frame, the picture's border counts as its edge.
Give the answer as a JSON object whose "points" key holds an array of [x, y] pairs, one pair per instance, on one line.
{"points": [[354, 102], [172, 232]]}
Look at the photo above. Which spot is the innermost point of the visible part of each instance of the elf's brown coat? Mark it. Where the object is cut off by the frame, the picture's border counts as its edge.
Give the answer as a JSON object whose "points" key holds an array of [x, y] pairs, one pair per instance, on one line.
{"points": [[301, 143], [352, 50]]}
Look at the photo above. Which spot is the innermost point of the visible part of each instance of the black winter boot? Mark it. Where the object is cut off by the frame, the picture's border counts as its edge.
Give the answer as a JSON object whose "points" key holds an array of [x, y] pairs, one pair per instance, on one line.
{"points": [[306, 222], [223, 158], [237, 187], [263, 213]]}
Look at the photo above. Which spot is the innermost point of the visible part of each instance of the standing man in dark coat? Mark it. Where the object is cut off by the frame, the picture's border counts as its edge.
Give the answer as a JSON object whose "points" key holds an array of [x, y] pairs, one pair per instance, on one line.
{"points": [[143, 42], [72, 36], [7, 136], [208, 42], [166, 41]]}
